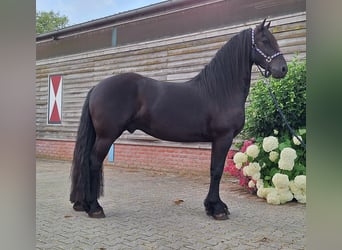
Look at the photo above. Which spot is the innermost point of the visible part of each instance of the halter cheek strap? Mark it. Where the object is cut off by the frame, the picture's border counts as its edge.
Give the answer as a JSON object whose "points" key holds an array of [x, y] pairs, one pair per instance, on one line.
{"points": [[268, 59]]}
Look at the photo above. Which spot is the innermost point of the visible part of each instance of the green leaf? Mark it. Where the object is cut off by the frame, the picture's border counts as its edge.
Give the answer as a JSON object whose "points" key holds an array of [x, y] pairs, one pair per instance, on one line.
{"points": [[274, 171], [267, 184], [267, 178], [302, 131], [285, 144]]}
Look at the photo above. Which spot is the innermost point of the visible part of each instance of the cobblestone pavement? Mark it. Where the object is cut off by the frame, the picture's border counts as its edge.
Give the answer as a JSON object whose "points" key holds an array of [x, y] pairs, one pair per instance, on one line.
{"points": [[142, 214]]}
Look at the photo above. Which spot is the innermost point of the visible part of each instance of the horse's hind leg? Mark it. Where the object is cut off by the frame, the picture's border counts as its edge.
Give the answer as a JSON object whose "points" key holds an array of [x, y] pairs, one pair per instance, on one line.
{"points": [[97, 157]]}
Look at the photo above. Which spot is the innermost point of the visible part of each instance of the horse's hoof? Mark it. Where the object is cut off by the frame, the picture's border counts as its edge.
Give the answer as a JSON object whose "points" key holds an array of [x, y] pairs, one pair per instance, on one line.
{"points": [[227, 211], [221, 216], [78, 206], [98, 214]]}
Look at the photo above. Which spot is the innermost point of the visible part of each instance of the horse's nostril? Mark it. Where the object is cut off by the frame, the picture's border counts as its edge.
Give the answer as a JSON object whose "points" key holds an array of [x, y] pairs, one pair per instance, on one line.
{"points": [[284, 69]]}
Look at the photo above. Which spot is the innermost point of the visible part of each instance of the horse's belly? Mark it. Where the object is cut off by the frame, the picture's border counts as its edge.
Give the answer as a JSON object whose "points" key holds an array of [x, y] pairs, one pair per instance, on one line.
{"points": [[173, 130], [176, 136]]}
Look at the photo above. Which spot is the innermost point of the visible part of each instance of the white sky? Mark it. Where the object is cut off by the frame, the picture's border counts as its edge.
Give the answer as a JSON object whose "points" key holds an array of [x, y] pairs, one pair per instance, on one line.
{"points": [[79, 11]]}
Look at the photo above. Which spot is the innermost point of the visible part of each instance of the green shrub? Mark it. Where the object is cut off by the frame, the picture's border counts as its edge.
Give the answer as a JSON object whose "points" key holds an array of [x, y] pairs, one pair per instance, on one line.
{"points": [[262, 117]]}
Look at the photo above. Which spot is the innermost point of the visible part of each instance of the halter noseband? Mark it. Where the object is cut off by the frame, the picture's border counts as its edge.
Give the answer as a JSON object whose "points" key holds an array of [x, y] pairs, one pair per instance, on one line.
{"points": [[268, 59]]}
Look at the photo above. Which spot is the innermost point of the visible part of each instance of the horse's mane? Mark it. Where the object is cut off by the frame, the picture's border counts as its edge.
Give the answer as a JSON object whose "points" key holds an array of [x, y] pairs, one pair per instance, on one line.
{"points": [[230, 66]]}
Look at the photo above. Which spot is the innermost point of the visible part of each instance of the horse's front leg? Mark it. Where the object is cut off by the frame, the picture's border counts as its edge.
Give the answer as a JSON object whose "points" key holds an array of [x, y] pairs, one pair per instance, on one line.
{"points": [[213, 204]]}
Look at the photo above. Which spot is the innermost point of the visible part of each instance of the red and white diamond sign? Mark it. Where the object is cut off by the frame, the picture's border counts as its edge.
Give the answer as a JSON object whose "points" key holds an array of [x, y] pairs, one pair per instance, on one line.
{"points": [[55, 99]]}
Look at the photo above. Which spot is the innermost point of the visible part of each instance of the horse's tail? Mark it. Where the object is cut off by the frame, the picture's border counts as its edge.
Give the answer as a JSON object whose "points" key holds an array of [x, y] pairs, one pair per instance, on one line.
{"points": [[80, 170]]}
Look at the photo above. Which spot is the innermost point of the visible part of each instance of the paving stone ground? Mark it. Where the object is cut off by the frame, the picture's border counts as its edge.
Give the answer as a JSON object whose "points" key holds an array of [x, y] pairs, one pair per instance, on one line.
{"points": [[141, 213]]}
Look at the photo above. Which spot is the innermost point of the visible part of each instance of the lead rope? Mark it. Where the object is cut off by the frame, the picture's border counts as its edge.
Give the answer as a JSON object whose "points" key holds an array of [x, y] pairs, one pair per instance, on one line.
{"points": [[267, 83]]}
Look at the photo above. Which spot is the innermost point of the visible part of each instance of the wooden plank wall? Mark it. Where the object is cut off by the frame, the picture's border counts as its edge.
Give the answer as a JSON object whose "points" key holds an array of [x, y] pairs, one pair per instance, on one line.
{"points": [[172, 59]]}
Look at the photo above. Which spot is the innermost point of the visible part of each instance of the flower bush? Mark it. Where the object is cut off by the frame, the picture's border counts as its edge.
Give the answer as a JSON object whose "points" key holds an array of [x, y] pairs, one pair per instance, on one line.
{"points": [[272, 167]]}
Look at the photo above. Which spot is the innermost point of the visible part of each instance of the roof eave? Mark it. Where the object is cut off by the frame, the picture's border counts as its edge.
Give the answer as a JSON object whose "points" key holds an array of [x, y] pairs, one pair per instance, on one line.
{"points": [[102, 22]]}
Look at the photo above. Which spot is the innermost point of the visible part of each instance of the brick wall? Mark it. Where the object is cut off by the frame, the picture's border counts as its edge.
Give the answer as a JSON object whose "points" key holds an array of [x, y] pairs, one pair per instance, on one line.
{"points": [[55, 149], [160, 158]]}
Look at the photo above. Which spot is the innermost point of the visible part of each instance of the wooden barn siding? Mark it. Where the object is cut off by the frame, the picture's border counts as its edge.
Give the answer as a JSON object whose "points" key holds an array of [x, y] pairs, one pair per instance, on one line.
{"points": [[172, 59]]}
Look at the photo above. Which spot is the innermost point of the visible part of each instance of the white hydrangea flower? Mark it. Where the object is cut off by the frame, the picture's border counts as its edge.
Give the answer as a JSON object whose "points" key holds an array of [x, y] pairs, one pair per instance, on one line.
{"points": [[273, 197], [256, 176], [252, 169], [287, 157], [260, 183], [285, 195], [301, 198], [280, 181], [276, 132], [240, 157], [288, 154], [270, 143], [283, 190], [251, 184], [296, 141], [298, 188], [273, 156], [238, 165], [286, 164], [245, 171], [293, 187], [300, 181], [263, 192], [255, 166], [253, 151]]}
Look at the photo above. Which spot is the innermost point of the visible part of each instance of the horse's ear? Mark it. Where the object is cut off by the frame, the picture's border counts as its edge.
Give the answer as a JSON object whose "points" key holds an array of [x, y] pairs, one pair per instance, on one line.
{"points": [[263, 24], [268, 25]]}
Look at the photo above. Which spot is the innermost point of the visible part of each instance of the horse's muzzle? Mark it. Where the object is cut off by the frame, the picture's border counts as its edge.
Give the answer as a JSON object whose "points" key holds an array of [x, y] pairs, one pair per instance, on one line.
{"points": [[278, 72]]}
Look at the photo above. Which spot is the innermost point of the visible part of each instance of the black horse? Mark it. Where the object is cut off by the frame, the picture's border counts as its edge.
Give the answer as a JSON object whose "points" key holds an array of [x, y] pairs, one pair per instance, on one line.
{"points": [[208, 108]]}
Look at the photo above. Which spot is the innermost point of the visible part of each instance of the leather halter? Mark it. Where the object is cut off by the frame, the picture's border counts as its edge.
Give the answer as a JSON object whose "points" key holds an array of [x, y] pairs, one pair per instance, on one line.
{"points": [[268, 59]]}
